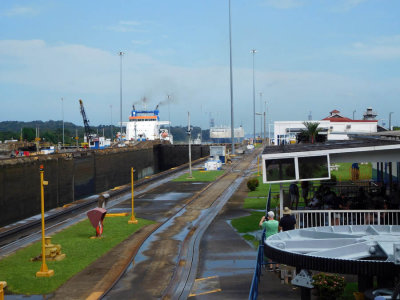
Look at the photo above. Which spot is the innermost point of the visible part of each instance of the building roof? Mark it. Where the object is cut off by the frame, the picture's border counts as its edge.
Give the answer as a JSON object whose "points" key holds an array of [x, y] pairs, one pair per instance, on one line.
{"points": [[344, 119], [331, 145]]}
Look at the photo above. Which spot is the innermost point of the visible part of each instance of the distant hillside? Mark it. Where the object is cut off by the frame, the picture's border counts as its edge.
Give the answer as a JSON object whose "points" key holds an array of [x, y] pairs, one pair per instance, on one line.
{"points": [[52, 131], [15, 126]]}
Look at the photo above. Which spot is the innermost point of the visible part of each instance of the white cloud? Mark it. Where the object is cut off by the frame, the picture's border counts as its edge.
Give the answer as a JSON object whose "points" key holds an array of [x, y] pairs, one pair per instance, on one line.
{"points": [[20, 11], [346, 5], [382, 48], [141, 43], [283, 4], [78, 71], [126, 26]]}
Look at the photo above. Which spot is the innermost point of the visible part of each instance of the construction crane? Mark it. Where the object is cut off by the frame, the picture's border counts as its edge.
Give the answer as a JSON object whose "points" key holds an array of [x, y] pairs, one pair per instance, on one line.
{"points": [[88, 130]]}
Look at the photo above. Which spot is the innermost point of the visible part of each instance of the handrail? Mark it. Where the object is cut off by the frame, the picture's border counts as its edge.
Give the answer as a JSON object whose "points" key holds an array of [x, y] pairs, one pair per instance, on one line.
{"points": [[253, 294], [257, 272], [313, 218]]}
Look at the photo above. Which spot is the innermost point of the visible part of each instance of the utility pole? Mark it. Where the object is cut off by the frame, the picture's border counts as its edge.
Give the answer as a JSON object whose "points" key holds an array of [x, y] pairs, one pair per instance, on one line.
{"points": [[261, 120], [169, 116], [111, 126], [62, 110], [265, 116], [189, 132], [354, 111], [231, 81], [254, 100], [120, 93]]}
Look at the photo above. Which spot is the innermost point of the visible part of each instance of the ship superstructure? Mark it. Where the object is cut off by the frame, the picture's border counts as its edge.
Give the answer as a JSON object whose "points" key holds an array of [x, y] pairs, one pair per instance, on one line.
{"points": [[144, 125]]}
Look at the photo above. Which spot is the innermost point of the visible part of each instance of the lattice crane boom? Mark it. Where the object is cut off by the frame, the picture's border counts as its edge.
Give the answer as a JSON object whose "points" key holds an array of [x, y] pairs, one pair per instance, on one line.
{"points": [[88, 130]]}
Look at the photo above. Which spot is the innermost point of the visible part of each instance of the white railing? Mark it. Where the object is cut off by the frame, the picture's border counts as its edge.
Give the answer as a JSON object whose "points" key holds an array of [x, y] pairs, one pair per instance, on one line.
{"points": [[314, 218]]}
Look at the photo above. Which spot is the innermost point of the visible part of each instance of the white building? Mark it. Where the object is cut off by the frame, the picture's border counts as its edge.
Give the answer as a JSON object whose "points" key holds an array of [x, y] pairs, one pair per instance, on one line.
{"points": [[223, 134], [335, 127]]}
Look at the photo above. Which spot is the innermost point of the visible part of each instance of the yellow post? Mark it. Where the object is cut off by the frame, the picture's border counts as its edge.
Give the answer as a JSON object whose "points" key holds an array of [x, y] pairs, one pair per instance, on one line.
{"points": [[44, 271], [132, 220], [3, 284]]}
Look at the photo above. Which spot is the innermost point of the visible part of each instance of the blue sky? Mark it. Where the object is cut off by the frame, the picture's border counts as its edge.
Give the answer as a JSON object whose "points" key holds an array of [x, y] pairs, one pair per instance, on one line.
{"points": [[312, 55]]}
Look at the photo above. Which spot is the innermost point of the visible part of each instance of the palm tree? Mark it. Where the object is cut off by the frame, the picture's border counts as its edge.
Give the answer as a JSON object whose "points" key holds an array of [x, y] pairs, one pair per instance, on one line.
{"points": [[311, 130]]}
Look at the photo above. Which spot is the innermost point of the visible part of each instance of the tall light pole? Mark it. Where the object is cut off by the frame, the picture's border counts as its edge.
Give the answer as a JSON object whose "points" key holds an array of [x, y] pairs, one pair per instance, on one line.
{"points": [[390, 120], [231, 81], [62, 111], [169, 116], [261, 121], [120, 93], [253, 51], [111, 125], [353, 113], [189, 132]]}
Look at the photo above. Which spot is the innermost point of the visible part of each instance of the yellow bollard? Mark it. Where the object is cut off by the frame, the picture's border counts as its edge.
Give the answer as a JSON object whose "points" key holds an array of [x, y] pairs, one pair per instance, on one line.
{"points": [[132, 220], [44, 271], [3, 284]]}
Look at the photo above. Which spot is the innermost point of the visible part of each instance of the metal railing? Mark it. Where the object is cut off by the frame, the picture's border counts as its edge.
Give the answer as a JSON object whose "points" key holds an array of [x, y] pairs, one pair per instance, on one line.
{"points": [[253, 294], [314, 218], [257, 272]]}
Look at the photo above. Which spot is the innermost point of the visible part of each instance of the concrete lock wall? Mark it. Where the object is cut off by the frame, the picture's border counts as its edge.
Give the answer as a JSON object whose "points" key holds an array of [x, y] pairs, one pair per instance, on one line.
{"points": [[74, 176]]}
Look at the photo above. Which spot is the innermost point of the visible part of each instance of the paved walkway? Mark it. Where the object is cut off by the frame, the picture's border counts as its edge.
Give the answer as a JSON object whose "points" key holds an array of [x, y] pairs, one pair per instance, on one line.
{"points": [[227, 262]]}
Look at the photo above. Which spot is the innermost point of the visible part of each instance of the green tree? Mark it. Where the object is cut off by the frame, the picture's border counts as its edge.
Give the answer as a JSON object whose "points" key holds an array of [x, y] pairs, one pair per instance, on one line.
{"points": [[28, 134], [49, 136], [311, 130]]}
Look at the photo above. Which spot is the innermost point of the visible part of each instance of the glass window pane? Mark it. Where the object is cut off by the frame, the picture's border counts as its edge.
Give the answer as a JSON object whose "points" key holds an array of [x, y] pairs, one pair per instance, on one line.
{"points": [[280, 169], [313, 167]]}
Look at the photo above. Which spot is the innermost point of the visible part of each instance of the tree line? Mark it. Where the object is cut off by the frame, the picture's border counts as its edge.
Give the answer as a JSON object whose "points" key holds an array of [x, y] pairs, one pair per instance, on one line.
{"points": [[51, 131]]}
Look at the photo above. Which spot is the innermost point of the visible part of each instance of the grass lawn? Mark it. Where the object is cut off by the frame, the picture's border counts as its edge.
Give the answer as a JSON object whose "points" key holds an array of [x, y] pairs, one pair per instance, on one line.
{"points": [[252, 239], [344, 171], [201, 176], [80, 250], [248, 223], [259, 203]]}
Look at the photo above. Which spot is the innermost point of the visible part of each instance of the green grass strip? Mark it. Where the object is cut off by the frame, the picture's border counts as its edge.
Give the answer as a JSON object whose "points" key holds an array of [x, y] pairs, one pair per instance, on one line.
{"points": [[248, 223], [259, 203], [343, 173], [80, 250], [201, 176], [252, 239]]}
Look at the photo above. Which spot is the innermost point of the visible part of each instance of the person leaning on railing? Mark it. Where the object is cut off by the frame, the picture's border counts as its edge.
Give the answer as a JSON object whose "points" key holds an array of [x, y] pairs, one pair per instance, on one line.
{"points": [[271, 227]]}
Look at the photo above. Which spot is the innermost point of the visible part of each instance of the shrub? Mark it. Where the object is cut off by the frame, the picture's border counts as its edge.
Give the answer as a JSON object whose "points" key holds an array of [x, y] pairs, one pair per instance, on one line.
{"points": [[252, 184], [329, 286]]}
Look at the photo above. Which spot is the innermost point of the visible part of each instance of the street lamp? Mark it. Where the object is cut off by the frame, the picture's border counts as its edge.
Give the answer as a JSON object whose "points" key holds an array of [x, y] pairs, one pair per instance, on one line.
{"points": [[261, 115], [261, 123], [189, 132], [169, 117], [231, 81], [120, 92], [253, 51], [111, 126], [390, 120], [62, 111]]}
